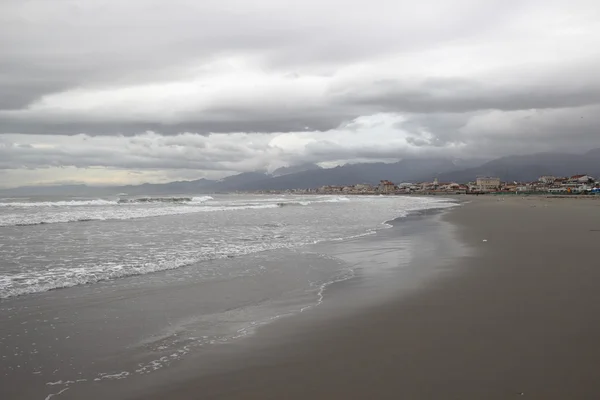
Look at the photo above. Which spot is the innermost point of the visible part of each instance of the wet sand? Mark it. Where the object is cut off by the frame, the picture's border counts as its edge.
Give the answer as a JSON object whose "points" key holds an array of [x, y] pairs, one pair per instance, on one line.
{"points": [[519, 317]]}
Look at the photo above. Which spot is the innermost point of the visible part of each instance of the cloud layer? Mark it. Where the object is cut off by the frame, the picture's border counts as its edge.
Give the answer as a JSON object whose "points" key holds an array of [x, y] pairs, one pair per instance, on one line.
{"points": [[217, 87]]}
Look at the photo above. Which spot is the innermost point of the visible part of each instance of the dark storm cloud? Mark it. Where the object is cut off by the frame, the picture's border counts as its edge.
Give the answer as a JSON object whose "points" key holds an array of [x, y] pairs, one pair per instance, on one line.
{"points": [[291, 122], [17, 93], [450, 95], [433, 97]]}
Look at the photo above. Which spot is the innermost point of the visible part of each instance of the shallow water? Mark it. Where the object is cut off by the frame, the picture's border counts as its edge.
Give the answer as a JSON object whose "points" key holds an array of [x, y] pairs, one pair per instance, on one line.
{"points": [[54, 244], [140, 294]]}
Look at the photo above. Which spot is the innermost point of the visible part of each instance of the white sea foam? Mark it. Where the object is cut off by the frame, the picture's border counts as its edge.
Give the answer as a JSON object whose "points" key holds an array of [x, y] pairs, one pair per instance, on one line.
{"points": [[60, 277], [56, 394], [144, 200], [36, 281], [337, 199], [117, 376], [69, 203], [115, 213], [201, 199], [319, 199], [105, 202]]}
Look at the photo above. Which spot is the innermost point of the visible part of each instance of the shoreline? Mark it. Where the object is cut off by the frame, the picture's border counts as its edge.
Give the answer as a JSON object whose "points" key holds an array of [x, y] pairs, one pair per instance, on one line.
{"points": [[98, 341], [517, 317], [384, 265]]}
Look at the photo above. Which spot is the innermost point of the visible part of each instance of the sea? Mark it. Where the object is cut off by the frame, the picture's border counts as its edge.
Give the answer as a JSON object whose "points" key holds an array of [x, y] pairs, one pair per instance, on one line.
{"points": [[101, 289]]}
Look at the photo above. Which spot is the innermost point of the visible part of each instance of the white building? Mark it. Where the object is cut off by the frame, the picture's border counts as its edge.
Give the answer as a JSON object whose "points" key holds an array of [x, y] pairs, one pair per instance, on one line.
{"points": [[450, 186], [362, 186], [547, 179], [557, 190], [586, 179], [487, 184]]}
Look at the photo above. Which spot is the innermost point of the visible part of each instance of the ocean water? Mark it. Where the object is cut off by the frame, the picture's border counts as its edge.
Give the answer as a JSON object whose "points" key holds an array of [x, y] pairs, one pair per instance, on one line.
{"points": [[51, 244], [97, 291]]}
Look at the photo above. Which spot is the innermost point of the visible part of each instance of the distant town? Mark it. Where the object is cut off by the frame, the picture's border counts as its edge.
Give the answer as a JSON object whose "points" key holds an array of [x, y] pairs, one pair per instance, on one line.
{"points": [[574, 185]]}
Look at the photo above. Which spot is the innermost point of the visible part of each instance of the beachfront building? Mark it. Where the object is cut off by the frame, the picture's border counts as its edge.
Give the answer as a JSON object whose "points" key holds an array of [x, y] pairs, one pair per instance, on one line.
{"points": [[387, 187], [547, 179], [582, 179], [330, 189], [449, 186], [510, 186], [408, 187], [452, 187], [487, 184], [363, 187], [555, 190], [425, 186], [405, 187]]}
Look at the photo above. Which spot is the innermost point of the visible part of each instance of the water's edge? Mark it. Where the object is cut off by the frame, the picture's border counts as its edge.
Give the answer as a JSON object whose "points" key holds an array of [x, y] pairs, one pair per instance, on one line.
{"points": [[175, 349], [359, 291]]}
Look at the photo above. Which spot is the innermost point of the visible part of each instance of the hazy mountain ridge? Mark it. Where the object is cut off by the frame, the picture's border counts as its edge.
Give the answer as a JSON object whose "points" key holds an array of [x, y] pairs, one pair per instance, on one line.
{"points": [[295, 169], [349, 174], [517, 168], [531, 167]]}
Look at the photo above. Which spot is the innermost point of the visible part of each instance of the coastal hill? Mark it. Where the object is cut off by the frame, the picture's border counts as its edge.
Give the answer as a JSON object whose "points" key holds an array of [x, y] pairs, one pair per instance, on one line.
{"points": [[305, 176], [350, 174], [531, 167], [511, 168]]}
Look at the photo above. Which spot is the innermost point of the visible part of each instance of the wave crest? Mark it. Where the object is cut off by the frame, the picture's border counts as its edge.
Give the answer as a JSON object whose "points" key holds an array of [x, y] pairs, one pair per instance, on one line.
{"points": [[156, 200], [104, 202], [97, 202], [308, 202]]}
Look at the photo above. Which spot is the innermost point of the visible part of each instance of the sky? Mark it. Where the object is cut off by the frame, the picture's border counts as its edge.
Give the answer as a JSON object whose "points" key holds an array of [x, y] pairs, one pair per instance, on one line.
{"points": [[117, 92]]}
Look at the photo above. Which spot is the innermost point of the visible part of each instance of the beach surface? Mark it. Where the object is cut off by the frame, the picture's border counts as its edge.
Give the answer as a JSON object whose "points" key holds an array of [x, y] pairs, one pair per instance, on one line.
{"points": [[516, 316]]}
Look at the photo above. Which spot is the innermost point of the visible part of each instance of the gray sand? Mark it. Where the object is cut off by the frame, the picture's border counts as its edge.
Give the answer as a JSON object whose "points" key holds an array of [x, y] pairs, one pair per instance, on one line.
{"points": [[518, 318]]}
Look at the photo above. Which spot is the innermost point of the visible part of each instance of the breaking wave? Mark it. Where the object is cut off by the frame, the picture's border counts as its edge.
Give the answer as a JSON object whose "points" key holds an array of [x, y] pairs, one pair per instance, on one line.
{"points": [[103, 202], [201, 199], [166, 200], [125, 209], [308, 202], [69, 203], [114, 213]]}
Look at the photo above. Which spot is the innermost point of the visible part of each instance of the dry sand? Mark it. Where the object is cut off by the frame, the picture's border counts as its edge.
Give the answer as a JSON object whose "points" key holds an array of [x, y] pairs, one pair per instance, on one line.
{"points": [[517, 318]]}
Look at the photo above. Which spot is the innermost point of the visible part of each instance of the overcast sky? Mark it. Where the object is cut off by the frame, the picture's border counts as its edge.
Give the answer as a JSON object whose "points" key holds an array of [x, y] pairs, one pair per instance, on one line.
{"points": [[112, 91]]}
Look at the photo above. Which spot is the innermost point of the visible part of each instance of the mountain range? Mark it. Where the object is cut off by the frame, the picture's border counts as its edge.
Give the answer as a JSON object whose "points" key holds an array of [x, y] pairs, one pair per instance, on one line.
{"points": [[531, 167], [511, 168]]}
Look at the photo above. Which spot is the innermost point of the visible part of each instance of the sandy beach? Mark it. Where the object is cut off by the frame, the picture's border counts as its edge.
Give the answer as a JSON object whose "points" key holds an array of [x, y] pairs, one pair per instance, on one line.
{"points": [[518, 317]]}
